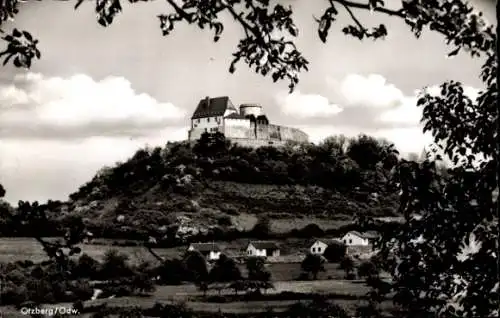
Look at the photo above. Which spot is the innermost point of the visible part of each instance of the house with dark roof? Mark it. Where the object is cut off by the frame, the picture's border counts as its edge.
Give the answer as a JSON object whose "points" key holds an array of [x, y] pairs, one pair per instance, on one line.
{"points": [[355, 238], [246, 125], [210, 251], [319, 246], [262, 249]]}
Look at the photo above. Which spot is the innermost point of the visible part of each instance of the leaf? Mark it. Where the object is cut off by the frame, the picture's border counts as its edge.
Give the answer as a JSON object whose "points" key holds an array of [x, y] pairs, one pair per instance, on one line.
{"points": [[275, 76], [78, 3], [16, 33], [28, 36], [324, 27], [17, 62], [454, 52]]}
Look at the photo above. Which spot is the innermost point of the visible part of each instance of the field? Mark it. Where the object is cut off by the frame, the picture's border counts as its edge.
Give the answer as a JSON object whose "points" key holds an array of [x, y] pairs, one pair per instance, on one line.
{"points": [[16, 249], [284, 277], [188, 293]]}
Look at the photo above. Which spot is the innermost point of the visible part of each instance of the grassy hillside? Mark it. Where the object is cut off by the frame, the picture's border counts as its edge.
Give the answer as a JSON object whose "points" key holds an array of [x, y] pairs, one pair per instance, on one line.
{"points": [[216, 184]]}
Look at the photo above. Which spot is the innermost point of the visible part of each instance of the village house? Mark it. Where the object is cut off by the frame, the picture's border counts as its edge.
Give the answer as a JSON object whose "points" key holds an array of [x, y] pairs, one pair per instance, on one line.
{"points": [[262, 249], [319, 246], [210, 251], [355, 238]]}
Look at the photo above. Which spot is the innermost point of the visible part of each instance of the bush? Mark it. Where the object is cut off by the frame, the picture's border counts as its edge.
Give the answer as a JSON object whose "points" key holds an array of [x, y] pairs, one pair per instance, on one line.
{"points": [[224, 220], [14, 294], [262, 229], [335, 252], [115, 265], [311, 230], [86, 267], [367, 269]]}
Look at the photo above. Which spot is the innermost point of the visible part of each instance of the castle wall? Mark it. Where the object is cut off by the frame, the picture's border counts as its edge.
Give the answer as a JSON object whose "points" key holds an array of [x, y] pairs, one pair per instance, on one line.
{"points": [[262, 131], [289, 133], [274, 132], [255, 143], [237, 128]]}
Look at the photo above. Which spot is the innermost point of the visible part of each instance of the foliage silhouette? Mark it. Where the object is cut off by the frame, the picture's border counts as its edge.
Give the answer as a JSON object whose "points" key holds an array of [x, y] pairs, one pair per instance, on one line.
{"points": [[267, 45], [447, 212], [313, 264]]}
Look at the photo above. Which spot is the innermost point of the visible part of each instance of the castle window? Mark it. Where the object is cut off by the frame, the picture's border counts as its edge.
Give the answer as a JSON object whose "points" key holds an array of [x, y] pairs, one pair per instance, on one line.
{"points": [[208, 119], [198, 121]]}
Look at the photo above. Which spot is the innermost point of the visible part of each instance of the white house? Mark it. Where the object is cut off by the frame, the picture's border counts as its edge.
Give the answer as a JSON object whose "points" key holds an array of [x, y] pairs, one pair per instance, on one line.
{"points": [[319, 247], [355, 238], [262, 249], [211, 251]]}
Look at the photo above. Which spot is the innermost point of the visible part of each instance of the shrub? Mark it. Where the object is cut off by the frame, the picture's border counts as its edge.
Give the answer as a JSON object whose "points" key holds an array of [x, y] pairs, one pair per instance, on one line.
{"points": [[367, 269], [115, 265], [12, 294], [86, 267], [311, 230], [224, 220], [262, 229], [335, 252], [171, 272]]}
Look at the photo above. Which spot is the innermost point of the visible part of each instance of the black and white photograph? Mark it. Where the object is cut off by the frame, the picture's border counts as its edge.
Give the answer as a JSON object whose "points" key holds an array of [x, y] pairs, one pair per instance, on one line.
{"points": [[249, 158]]}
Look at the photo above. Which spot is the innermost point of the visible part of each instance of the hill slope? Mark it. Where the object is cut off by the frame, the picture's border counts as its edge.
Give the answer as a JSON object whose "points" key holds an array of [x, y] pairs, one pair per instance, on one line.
{"points": [[214, 183]]}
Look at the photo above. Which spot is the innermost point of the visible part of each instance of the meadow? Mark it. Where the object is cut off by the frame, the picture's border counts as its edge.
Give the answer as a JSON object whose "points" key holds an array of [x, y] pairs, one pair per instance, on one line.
{"points": [[284, 276], [19, 249]]}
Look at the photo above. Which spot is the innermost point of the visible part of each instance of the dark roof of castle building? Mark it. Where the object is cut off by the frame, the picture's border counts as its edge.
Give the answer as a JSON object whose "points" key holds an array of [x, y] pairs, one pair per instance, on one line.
{"points": [[235, 116], [210, 107]]}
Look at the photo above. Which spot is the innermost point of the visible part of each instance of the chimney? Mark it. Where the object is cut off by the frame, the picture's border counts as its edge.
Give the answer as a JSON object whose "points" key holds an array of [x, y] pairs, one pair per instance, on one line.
{"points": [[207, 102]]}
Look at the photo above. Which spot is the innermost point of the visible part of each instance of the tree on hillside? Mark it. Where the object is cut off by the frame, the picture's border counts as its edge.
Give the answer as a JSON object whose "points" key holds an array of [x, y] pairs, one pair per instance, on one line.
{"points": [[115, 265], [197, 269], [367, 269], [172, 272], [262, 229], [211, 145], [347, 264], [224, 270], [335, 252], [312, 265], [335, 146], [86, 267], [256, 270]]}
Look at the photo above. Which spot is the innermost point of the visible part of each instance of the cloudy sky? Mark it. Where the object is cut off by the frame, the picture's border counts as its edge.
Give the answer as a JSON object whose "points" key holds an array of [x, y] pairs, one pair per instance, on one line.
{"points": [[99, 94]]}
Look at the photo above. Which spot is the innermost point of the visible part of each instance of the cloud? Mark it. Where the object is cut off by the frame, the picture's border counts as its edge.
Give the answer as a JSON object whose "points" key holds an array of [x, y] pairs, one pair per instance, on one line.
{"points": [[39, 107], [370, 105], [61, 166], [302, 105], [405, 114], [369, 91], [72, 127]]}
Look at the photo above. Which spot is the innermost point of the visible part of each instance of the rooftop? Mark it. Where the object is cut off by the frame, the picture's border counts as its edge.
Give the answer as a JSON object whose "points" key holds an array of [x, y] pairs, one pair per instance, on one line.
{"points": [[211, 107], [263, 245], [366, 235], [206, 247]]}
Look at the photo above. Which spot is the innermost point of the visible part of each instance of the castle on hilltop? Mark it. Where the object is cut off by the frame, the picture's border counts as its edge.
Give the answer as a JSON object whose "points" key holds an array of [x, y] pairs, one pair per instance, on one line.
{"points": [[248, 126]]}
